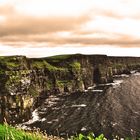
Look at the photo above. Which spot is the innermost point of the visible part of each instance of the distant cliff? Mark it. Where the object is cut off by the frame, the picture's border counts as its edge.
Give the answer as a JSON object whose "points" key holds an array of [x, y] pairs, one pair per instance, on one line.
{"points": [[24, 81]]}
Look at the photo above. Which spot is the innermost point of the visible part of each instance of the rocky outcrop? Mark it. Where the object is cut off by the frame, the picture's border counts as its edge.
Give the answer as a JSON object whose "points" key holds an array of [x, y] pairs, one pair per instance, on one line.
{"points": [[113, 110], [25, 82]]}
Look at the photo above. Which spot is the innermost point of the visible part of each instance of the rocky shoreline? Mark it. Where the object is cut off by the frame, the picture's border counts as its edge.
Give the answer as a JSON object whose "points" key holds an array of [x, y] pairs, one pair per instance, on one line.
{"points": [[101, 109]]}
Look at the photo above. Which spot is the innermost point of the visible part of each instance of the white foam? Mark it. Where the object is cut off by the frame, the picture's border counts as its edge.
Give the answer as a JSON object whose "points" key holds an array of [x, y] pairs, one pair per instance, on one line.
{"points": [[83, 129], [137, 73], [107, 84], [116, 76], [97, 90], [55, 99], [114, 124], [44, 119], [85, 90], [12, 93], [49, 122], [81, 105], [89, 88], [117, 83], [35, 117], [55, 120], [124, 75], [133, 71]]}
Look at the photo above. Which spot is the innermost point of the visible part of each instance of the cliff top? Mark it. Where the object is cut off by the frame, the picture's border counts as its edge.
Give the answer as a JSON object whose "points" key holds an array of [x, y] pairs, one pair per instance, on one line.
{"points": [[19, 62]]}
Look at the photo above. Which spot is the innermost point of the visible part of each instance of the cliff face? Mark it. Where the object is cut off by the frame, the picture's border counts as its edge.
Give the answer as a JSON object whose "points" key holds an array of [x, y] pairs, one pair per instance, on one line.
{"points": [[25, 82], [111, 110]]}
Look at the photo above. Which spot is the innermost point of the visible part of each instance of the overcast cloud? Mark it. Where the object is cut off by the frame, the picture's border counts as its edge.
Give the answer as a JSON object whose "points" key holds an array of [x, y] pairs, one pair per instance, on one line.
{"points": [[45, 24]]}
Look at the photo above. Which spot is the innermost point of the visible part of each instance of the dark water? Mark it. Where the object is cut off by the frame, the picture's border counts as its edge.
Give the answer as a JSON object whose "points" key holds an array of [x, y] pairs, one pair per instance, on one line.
{"points": [[115, 111]]}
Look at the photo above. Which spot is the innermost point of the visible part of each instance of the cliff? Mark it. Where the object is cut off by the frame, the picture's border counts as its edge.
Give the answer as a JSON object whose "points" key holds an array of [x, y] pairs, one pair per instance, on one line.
{"points": [[112, 110], [25, 82]]}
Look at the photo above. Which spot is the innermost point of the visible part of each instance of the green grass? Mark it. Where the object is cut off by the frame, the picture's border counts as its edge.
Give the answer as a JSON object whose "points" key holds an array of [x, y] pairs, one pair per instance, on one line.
{"points": [[10, 133], [76, 65], [44, 64], [10, 62], [62, 83], [90, 136], [60, 57]]}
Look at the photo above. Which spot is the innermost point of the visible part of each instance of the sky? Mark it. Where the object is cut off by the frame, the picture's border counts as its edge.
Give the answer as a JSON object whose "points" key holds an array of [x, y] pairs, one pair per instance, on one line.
{"points": [[39, 28]]}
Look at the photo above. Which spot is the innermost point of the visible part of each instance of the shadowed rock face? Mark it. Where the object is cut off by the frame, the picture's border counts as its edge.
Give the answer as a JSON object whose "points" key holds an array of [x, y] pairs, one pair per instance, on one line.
{"points": [[115, 111], [124, 107]]}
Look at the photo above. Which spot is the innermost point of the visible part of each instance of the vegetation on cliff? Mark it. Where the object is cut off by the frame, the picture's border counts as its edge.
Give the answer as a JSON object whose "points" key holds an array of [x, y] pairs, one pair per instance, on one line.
{"points": [[40, 64], [58, 58], [13, 62], [76, 66]]}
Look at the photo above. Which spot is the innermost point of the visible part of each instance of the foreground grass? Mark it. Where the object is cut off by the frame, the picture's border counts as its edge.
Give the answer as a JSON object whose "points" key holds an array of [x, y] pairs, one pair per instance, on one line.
{"points": [[90, 136], [10, 133]]}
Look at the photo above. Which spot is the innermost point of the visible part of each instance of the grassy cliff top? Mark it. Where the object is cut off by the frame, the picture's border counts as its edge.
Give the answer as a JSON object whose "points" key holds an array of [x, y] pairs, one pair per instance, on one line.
{"points": [[58, 62], [13, 62]]}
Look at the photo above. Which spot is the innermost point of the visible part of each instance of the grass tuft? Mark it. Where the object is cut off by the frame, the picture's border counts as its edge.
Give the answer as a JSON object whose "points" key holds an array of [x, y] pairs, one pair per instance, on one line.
{"points": [[10, 133]]}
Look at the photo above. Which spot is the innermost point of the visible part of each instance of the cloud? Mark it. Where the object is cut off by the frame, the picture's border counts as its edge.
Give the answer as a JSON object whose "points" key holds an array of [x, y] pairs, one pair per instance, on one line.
{"points": [[42, 23], [6, 9], [84, 41], [19, 29], [52, 40], [20, 24]]}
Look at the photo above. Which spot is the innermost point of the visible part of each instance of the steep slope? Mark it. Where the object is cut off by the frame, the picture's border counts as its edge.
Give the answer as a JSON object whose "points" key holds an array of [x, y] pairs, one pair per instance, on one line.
{"points": [[113, 111]]}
